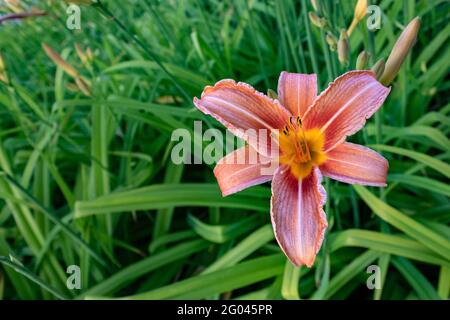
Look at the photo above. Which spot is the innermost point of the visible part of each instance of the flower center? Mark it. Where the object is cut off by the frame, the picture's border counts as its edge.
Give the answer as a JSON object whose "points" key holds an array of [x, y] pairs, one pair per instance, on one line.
{"points": [[300, 149]]}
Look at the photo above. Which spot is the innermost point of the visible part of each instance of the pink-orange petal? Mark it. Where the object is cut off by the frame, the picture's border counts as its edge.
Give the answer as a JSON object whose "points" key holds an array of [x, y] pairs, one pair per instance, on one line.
{"points": [[297, 91], [356, 164], [342, 109], [244, 111], [298, 219], [241, 169]]}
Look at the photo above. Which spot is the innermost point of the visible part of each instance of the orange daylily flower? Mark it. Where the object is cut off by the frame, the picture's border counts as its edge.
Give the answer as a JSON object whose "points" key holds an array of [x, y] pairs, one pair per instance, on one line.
{"points": [[311, 133]]}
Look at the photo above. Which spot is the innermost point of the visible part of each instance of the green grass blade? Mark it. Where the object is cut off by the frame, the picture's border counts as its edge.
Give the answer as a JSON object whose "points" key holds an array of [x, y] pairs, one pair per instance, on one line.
{"points": [[431, 162], [166, 196], [22, 270], [138, 269], [408, 225], [220, 281], [416, 279]]}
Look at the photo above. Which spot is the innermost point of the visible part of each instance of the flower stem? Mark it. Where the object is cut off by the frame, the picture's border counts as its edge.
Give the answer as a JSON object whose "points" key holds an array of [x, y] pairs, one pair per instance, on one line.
{"points": [[312, 52], [258, 51]]}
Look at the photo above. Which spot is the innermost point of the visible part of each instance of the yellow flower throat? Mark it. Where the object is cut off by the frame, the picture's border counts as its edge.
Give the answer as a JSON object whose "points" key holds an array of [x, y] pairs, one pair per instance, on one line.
{"points": [[301, 150]]}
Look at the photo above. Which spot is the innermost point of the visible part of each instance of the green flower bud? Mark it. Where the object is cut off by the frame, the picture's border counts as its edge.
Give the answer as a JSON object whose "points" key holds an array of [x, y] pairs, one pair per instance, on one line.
{"points": [[343, 48], [361, 61]]}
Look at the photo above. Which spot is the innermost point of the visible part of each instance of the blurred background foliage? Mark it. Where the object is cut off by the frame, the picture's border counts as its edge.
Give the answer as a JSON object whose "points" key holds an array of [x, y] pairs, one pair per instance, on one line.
{"points": [[86, 177]]}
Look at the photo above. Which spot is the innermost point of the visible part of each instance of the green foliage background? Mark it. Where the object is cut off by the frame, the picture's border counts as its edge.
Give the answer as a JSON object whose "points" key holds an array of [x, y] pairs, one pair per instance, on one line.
{"points": [[88, 181]]}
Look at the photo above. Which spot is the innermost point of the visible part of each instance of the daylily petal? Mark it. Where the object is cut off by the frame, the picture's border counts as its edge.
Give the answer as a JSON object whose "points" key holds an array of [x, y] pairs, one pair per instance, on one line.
{"points": [[297, 91], [342, 109], [241, 169], [239, 107], [356, 164], [298, 219]]}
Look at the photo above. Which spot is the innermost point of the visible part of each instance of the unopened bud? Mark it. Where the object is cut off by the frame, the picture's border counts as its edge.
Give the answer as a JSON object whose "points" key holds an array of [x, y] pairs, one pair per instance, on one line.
{"points": [[81, 54], [360, 13], [360, 9], [316, 20], [361, 61], [72, 87], [14, 5], [432, 91], [401, 49], [343, 48], [85, 56], [59, 61], [378, 68], [83, 86], [315, 5], [272, 94], [89, 54], [2, 63], [3, 75], [168, 99], [331, 39]]}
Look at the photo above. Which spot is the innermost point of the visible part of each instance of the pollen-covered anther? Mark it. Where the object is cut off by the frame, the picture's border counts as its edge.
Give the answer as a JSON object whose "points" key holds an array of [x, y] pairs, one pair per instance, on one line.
{"points": [[300, 149]]}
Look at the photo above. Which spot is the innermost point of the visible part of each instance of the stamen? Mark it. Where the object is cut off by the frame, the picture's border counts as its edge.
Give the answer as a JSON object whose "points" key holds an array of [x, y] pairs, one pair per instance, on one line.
{"points": [[301, 150]]}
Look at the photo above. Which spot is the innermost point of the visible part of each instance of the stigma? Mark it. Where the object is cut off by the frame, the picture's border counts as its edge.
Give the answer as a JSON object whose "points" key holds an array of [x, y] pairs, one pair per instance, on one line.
{"points": [[301, 149]]}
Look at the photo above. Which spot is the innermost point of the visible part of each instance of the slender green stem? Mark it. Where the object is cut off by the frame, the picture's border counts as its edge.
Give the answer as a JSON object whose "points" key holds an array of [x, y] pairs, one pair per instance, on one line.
{"points": [[312, 51], [371, 46], [327, 56], [258, 50], [298, 24], [166, 34], [289, 36], [208, 27], [287, 62], [378, 115]]}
